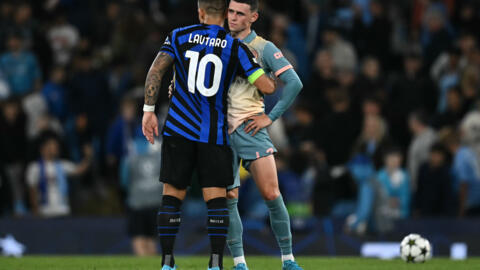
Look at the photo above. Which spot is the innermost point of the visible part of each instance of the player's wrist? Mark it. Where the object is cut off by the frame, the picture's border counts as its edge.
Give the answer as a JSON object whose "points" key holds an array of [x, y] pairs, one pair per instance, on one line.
{"points": [[148, 108]]}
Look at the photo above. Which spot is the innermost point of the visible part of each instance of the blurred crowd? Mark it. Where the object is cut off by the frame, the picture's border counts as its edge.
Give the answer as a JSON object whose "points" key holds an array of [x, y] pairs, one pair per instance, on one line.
{"points": [[387, 126]]}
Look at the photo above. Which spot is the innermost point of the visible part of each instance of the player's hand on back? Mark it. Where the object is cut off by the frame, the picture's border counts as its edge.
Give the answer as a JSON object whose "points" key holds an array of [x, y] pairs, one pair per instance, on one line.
{"points": [[256, 123], [150, 126]]}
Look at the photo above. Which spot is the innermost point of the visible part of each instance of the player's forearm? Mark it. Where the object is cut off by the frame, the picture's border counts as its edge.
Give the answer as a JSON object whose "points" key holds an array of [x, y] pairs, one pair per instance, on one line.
{"points": [[154, 77], [293, 86]]}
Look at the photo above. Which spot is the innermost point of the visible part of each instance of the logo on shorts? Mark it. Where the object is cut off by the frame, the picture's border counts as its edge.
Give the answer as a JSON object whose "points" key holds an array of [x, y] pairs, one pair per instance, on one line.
{"points": [[217, 221], [175, 220]]}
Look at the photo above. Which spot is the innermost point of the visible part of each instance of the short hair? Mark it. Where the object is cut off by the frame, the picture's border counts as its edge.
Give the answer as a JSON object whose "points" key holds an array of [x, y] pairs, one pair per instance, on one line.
{"points": [[252, 3], [420, 116], [213, 7]]}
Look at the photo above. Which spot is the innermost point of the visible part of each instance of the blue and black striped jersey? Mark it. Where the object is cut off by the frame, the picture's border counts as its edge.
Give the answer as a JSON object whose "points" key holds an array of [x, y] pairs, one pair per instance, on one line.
{"points": [[207, 59]]}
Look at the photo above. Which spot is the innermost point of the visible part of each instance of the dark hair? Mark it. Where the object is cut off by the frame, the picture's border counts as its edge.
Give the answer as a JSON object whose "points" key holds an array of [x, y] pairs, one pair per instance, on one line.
{"points": [[252, 3], [439, 148], [213, 7], [421, 116]]}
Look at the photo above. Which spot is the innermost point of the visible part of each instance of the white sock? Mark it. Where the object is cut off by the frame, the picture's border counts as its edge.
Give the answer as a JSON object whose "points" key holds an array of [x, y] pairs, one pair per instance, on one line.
{"points": [[238, 260], [288, 257]]}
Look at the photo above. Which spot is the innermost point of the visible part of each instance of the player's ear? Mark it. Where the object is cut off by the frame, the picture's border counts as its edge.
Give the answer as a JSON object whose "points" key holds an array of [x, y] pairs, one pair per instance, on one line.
{"points": [[201, 15], [254, 17]]}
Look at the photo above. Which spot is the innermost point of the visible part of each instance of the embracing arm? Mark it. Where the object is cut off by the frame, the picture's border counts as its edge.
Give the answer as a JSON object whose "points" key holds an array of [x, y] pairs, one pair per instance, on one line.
{"points": [[160, 65]]}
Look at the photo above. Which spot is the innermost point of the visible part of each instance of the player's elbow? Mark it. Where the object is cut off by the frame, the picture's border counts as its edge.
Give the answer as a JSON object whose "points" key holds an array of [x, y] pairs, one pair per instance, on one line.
{"points": [[298, 85]]}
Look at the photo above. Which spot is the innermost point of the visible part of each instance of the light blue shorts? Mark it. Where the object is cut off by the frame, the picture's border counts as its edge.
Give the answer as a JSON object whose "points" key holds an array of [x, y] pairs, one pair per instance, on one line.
{"points": [[247, 148]]}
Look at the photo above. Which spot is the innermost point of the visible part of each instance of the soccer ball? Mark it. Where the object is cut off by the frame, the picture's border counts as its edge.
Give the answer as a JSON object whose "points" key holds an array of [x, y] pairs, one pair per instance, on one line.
{"points": [[415, 249]]}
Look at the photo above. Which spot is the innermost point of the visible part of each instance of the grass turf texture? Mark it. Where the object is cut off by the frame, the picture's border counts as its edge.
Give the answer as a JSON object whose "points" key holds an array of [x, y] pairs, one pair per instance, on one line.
{"points": [[194, 263]]}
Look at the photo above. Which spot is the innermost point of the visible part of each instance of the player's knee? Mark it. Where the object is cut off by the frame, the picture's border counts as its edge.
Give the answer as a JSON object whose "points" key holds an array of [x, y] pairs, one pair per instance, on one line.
{"points": [[232, 195], [271, 194]]}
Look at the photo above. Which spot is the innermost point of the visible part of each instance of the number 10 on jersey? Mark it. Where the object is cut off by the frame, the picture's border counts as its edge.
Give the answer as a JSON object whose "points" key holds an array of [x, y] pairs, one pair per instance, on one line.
{"points": [[199, 79]]}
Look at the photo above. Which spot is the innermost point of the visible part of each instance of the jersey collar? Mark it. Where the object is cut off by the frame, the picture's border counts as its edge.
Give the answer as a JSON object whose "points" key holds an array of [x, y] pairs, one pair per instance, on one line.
{"points": [[250, 37]]}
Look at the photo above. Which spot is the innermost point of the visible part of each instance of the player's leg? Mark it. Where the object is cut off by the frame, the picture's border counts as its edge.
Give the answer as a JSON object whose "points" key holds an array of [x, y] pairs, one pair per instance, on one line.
{"points": [[235, 229], [178, 162], [169, 219], [215, 175], [264, 173]]}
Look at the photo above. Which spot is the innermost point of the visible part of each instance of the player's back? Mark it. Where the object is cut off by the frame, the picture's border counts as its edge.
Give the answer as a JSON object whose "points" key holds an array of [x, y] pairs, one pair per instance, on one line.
{"points": [[207, 59]]}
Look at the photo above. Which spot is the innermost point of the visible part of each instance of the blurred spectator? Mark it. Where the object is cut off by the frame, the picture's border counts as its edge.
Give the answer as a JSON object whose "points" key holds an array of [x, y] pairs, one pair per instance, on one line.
{"points": [[13, 148], [373, 35], [88, 92], [343, 53], [436, 37], [140, 176], [371, 106], [20, 67], [24, 23], [466, 172], [336, 133], [323, 78], [63, 38], [470, 83], [106, 22], [469, 128], [303, 130], [419, 150], [369, 83], [448, 77], [55, 94], [78, 136], [6, 16], [120, 79], [411, 90], [123, 132], [454, 112], [394, 200], [434, 195], [47, 179], [374, 140], [468, 17]]}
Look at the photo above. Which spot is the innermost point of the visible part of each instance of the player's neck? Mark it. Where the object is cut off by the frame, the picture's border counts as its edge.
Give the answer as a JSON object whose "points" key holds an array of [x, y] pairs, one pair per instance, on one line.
{"points": [[242, 34], [213, 21]]}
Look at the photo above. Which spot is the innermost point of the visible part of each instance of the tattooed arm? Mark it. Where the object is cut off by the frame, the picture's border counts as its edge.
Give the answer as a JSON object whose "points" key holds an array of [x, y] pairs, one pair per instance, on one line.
{"points": [[162, 62], [160, 65]]}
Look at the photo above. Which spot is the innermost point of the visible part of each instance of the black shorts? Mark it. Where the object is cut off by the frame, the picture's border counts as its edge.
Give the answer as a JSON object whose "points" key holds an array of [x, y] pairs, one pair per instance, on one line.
{"points": [[181, 157], [142, 222]]}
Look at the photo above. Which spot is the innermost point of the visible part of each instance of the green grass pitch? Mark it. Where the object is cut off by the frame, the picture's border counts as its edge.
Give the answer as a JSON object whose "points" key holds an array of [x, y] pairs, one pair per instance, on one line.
{"points": [[194, 263]]}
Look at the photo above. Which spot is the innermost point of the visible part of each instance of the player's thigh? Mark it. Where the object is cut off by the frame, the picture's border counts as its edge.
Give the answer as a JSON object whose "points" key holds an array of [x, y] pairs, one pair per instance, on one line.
{"points": [[264, 173], [178, 162], [250, 148], [214, 165]]}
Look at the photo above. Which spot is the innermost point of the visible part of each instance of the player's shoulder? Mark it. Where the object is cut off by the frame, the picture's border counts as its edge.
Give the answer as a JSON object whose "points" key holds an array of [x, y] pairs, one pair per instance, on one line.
{"points": [[189, 28]]}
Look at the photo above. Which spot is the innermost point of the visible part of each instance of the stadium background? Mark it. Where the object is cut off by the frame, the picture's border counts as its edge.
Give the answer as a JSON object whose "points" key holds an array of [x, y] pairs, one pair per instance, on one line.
{"points": [[381, 77]]}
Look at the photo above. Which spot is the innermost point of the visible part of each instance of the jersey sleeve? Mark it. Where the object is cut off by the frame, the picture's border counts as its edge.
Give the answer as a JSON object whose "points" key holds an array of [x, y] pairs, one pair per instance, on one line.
{"points": [[249, 64], [274, 59], [167, 46]]}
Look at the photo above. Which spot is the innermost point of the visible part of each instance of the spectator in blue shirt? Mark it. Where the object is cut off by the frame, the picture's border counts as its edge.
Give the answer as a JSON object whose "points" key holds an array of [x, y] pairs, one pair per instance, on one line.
{"points": [[54, 93], [20, 67], [394, 185], [466, 172]]}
